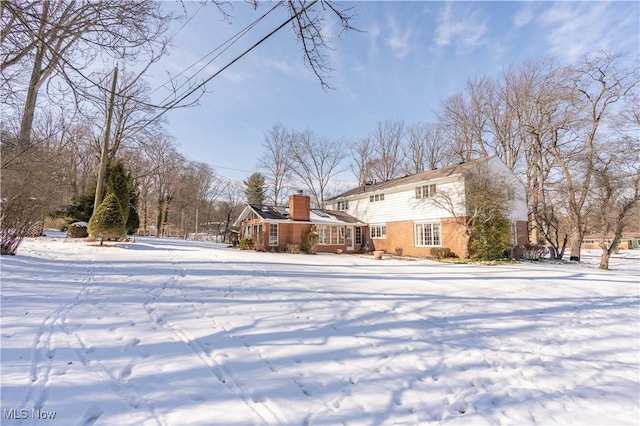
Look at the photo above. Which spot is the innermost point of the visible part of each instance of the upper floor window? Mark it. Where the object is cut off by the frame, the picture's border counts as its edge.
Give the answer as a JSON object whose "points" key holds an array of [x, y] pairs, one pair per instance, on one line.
{"points": [[377, 197], [342, 205], [425, 191]]}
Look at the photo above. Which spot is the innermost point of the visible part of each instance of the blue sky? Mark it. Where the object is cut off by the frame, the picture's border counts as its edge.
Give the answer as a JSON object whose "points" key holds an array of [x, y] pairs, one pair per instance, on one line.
{"points": [[408, 58]]}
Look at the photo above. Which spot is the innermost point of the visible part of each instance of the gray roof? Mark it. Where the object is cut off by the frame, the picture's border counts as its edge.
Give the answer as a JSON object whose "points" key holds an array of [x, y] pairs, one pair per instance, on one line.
{"points": [[316, 215], [444, 172]]}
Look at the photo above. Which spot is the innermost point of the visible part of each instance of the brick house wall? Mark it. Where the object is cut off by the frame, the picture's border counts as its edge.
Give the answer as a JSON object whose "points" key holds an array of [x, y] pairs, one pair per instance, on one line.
{"points": [[401, 234]]}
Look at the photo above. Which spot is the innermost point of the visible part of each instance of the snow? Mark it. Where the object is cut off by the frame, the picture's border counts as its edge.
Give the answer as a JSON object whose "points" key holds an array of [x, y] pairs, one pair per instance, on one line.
{"points": [[169, 332]]}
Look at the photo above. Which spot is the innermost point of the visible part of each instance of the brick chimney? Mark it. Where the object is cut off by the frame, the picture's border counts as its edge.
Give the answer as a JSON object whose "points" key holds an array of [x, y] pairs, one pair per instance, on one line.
{"points": [[299, 207]]}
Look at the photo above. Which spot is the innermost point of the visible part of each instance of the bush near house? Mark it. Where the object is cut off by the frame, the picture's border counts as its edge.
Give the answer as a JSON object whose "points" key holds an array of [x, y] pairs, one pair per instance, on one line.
{"points": [[290, 248], [246, 243], [310, 242], [442, 253]]}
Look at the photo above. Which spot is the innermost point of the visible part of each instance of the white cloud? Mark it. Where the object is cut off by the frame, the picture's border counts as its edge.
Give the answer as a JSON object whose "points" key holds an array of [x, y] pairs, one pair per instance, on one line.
{"points": [[524, 15], [575, 29], [462, 28], [399, 39]]}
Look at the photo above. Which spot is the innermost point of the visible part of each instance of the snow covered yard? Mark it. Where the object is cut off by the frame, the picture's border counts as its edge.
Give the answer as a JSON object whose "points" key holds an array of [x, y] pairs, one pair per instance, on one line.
{"points": [[173, 333]]}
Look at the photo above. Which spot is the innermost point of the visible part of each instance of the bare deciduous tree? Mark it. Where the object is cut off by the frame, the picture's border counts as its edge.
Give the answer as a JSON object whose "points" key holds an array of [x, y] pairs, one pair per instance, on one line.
{"points": [[62, 38], [597, 84], [362, 155], [387, 141], [616, 193], [426, 149], [314, 162], [274, 161], [465, 118]]}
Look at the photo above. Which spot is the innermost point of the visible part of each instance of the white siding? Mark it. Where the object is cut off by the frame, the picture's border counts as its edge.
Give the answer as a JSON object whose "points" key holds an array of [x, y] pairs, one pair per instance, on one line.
{"points": [[401, 204], [519, 210]]}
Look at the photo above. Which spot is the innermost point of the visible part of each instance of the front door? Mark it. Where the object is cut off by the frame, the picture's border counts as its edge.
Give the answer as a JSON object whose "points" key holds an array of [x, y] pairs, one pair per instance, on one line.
{"points": [[348, 238]]}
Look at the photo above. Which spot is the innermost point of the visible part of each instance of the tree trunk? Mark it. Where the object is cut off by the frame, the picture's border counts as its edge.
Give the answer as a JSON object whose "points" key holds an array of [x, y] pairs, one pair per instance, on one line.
{"points": [[564, 247], [467, 243], [576, 243], [604, 259], [159, 211], [28, 113]]}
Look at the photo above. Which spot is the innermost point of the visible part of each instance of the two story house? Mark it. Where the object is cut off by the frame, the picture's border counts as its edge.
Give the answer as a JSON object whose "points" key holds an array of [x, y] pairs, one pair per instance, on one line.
{"points": [[398, 216], [403, 215]]}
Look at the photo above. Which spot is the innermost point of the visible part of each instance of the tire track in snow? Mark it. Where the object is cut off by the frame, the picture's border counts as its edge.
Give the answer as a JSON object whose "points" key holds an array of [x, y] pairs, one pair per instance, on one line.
{"points": [[268, 413], [37, 394], [118, 383], [43, 347]]}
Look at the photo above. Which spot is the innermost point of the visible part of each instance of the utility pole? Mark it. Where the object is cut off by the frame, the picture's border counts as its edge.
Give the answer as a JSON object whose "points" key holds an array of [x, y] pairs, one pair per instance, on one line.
{"points": [[102, 170]]}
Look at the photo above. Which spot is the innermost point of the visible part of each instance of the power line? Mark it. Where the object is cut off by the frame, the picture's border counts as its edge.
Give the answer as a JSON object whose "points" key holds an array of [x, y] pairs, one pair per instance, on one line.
{"points": [[228, 43], [259, 42]]}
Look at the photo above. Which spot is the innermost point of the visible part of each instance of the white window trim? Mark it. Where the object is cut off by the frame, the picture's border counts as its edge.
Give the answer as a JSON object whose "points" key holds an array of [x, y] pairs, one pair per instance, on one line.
{"points": [[326, 232], [433, 235], [357, 235], [426, 191], [273, 242], [378, 231]]}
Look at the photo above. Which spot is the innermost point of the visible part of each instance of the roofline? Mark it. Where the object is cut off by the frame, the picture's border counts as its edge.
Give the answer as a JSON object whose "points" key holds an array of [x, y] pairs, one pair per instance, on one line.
{"points": [[376, 187]]}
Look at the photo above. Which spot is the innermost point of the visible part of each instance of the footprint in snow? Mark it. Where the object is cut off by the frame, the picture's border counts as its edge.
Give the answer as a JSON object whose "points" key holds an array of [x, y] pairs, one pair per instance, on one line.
{"points": [[91, 415], [125, 373], [134, 342]]}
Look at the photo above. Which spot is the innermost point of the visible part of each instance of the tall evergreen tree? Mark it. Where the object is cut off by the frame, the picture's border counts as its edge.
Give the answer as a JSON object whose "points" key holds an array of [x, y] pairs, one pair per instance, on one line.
{"points": [[119, 182], [107, 220], [133, 220], [255, 189]]}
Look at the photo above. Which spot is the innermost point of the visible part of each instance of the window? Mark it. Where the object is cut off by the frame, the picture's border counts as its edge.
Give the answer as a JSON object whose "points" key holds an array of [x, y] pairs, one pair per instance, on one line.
{"points": [[323, 235], [358, 235], [378, 231], [427, 234], [342, 205], [377, 197], [330, 235], [425, 191], [273, 234]]}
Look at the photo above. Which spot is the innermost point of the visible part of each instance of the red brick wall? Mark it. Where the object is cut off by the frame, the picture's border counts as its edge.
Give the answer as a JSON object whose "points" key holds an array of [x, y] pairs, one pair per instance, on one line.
{"points": [[401, 235], [453, 236], [299, 207]]}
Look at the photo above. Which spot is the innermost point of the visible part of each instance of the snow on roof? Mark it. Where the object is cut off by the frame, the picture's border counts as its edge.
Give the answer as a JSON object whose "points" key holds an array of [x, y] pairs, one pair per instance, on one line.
{"points": [[319, 216]]}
